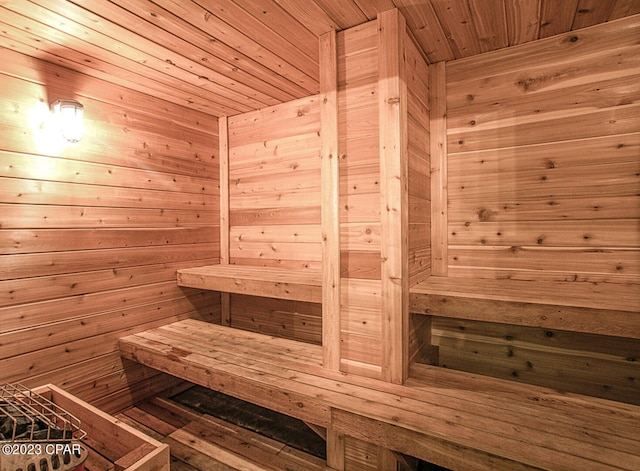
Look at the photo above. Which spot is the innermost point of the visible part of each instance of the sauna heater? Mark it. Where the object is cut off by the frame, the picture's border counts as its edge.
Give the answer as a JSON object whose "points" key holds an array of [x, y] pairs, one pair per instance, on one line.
{"points": [[36, 434]]}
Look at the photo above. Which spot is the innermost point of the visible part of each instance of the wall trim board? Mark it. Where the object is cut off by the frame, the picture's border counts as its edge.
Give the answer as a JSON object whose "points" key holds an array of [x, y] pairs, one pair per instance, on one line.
{"points": [[330, 196], [394, 193]]}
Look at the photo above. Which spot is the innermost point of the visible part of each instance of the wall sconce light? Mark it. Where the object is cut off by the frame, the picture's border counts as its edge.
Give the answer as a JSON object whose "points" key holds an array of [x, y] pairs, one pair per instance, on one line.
{"points": [[68, 114]]}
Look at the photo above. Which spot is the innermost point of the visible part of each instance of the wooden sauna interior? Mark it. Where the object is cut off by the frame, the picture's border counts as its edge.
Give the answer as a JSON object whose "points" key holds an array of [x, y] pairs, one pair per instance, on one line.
{"points": [[413, 225]]}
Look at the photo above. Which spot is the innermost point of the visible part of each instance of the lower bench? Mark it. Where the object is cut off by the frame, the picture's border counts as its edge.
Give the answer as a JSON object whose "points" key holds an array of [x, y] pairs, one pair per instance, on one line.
{"points": [[453, 419]]}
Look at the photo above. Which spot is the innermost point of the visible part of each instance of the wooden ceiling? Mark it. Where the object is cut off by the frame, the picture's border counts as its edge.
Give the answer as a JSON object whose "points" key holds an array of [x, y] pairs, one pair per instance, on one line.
{"points": [[224, 57]]}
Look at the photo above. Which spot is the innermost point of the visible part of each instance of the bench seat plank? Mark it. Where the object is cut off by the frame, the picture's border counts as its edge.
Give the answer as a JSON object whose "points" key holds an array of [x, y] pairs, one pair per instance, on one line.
{"points": [[516, 302], [282, 283], [506, 423]]}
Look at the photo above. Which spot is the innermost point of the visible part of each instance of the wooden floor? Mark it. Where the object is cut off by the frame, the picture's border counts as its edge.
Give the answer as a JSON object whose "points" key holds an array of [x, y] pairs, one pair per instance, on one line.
{"points": [[202, 442]]}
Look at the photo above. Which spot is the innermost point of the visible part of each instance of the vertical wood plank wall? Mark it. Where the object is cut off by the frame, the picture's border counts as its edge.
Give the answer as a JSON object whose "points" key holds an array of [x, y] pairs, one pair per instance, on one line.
{"points": [[330, 205], [274, 209], [91, 235], [360, 236], [394, 195], [363, 196], [418, 115], [418, 227], [543, 175]]}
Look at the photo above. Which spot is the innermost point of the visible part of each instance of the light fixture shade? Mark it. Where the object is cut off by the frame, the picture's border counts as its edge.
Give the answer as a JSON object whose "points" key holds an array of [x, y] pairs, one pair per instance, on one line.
{"points": [[69, 114]]}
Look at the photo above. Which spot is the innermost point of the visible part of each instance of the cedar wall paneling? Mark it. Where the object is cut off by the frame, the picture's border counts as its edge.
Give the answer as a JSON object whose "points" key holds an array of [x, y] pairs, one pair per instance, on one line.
{"points": [[543, 177], [91, 234], [360, 227], [274, 210], [361, 195], [419, 183], [543, 146]]}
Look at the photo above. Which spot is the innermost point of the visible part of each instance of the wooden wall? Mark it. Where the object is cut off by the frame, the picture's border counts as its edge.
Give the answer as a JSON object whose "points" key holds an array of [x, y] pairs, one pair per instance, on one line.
{"points": [[91, 234], [543, 174], [383, 130], [419, 182], [543, 159], [359, 201], [274, 210], [275, 195]]}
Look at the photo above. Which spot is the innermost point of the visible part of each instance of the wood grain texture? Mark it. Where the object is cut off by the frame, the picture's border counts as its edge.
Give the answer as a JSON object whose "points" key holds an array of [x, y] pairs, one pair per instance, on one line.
{"points": [[283, 283], [419, 171], [535, 160], [359, 203], [92, 234], [394, 194], [329, 201], [238, 56], [414, 418]]}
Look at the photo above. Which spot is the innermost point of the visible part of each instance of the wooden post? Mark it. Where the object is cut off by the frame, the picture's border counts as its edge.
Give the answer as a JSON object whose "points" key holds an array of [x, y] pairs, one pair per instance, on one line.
{"points": [[438, 125], [223, 139], [387, 461], [335, 450], [330, 202], [394, 195]]}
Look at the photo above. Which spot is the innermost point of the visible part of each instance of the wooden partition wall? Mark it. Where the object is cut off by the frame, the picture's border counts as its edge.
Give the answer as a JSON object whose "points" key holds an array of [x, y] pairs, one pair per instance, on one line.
{"points": [[339, 180], [91, 234], [537, 202], [274, 210], [384, 192]]}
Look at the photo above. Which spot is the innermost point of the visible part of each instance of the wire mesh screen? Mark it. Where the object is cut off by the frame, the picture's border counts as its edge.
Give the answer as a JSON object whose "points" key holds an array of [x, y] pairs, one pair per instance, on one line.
{"points": [[26, 416]]}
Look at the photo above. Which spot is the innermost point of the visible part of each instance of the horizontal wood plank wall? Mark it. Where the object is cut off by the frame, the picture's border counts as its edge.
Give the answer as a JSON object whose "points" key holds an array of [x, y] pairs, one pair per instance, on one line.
{"points": [[543, 165], [91, 234], [543, 176], [274, 209], [360, 230], [587, 364]]}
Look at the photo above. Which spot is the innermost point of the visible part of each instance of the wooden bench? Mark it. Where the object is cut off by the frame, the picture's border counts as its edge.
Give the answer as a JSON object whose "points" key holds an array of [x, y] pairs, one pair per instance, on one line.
{"points": [[605, 309], [282, 283], [453, 419]]}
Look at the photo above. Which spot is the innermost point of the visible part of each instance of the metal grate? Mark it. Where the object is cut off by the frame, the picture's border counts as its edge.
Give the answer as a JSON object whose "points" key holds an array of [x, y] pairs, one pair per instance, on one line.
{"points": [[26, 416]]}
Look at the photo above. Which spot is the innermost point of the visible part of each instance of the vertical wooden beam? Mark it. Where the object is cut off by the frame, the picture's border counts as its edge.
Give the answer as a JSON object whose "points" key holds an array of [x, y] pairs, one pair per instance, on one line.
{"points": [[394, 195], [330, 201], [223, 142], [335, 450], [439, 196], [387, 461]]}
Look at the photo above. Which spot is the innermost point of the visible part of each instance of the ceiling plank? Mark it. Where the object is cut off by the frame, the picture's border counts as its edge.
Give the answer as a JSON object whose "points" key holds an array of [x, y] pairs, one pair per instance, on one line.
{"points": [[81, 24], [523, 21], [427, 30], [67, 44], [623, 8], [371, 8], [132, 28], [310, 15], [592, 12], [345, 12], [556, 17], [182, 38], [219, 30], [457, 22], [284, 24], [490, 22], [301, 54], [30, 44]]}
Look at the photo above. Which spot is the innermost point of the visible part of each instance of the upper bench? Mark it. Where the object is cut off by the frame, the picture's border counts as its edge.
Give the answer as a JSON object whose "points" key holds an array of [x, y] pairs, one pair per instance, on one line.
{"points": [[283, 283], [594, 308]]}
